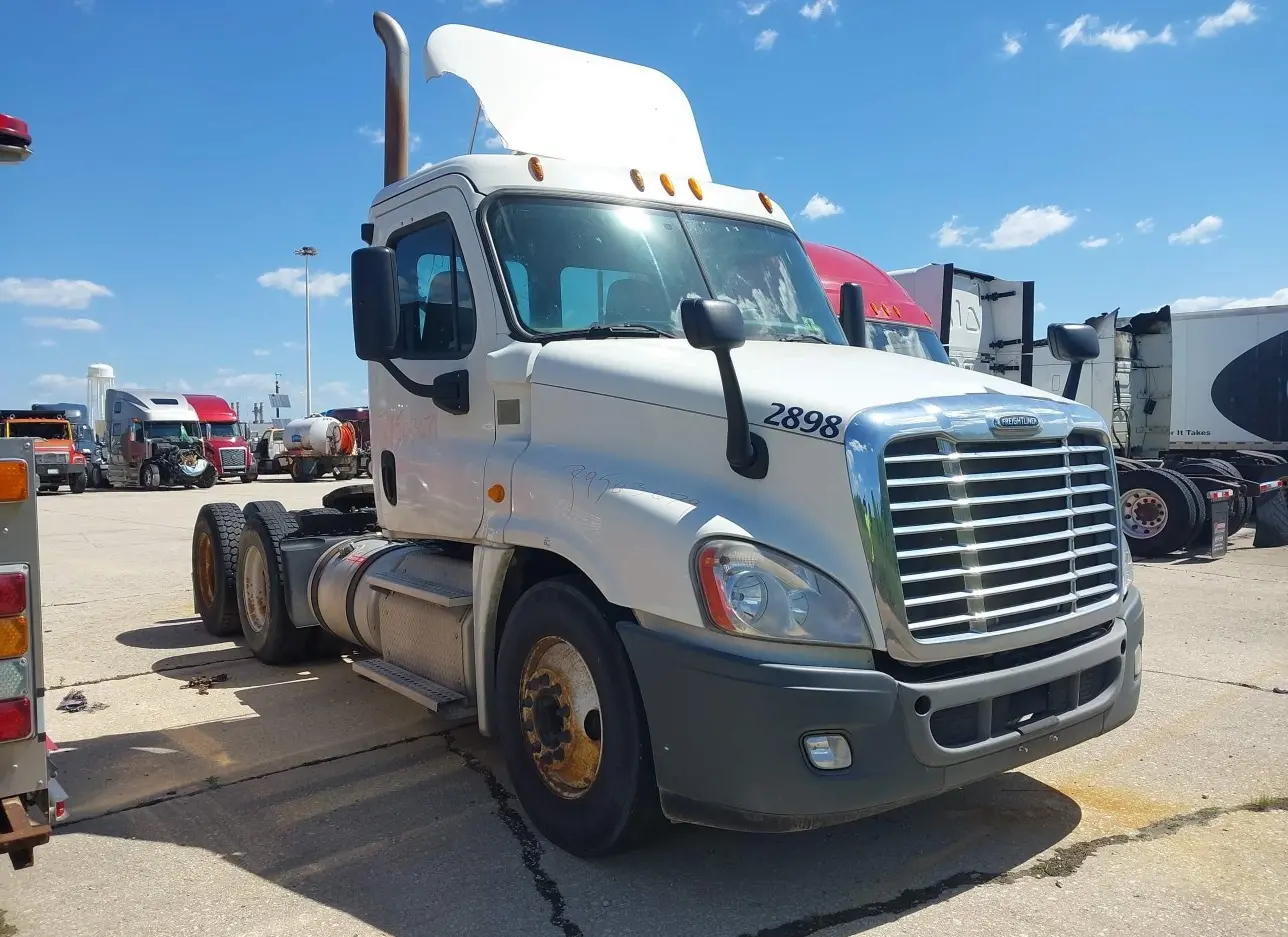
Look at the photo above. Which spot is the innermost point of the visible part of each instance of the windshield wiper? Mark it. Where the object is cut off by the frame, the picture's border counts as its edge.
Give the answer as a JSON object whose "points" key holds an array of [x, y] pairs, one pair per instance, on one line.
{"points": [[803, 337], [625, 330]]}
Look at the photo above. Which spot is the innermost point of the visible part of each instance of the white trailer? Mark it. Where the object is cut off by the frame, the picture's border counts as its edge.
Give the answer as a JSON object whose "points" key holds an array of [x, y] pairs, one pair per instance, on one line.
{"points": [[642, 512]]}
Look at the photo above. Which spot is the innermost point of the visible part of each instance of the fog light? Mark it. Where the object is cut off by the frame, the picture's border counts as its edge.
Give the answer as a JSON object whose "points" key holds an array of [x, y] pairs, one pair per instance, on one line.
{"points": [[1138, 660], [828, 752]]}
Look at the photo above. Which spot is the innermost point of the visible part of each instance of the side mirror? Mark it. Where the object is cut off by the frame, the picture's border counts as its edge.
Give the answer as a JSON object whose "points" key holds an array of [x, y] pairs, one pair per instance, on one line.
{"points": [[374, 285], [717, 326], [1074, 343], [853, 316]]}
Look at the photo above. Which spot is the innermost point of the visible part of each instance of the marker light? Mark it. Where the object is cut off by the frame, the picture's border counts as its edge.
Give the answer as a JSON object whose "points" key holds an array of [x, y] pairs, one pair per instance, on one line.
{"points": [[13, 127], [15, 719], [13, 480], [638, 178], [13, 636], [695, 189], [13, 594], [764, 200], [496, 493], [13, 678], [666, 184], [538, 171]]}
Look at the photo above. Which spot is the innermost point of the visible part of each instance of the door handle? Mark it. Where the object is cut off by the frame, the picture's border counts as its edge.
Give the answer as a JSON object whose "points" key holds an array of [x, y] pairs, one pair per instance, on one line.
{"points": [[389, 476]]}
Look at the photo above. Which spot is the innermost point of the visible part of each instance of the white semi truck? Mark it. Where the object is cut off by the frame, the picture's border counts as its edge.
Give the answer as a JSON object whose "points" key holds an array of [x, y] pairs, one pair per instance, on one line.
{"points": [[1196, 401], [641, 511]]}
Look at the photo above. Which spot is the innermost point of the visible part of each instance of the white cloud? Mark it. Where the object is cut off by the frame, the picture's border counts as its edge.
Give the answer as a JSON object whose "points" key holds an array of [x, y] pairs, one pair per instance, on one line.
{"points": [[291, 279], [1145, 226], [1239, 13], [1204, 231], [1039, 307], [1011, 45], [180, 385], [950, 235], [1277, 298], [1094, 243], [492, 3], [335, 388], [292, 345], [85, 6], [1026, 226], [63, 324], [820, 206], [260, 352], [755, 9], [1087, 31], [817, 9], [55, 294], [765, 41], [46, 343], [59, 383], [262, 383]]}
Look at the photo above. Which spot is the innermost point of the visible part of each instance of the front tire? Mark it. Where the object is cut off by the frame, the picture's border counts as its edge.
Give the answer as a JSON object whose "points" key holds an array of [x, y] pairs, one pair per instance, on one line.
{"points": [[79, 483], [261, 599], [571, 724], [150, 476]]}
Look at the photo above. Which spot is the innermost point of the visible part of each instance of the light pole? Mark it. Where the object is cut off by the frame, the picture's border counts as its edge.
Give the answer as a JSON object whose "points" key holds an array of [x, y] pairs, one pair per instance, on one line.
{"points": [[306, 253]]}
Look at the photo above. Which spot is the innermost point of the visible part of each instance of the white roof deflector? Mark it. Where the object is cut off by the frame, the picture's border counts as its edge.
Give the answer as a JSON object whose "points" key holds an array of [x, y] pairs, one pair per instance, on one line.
{"points": [[549, 101]]}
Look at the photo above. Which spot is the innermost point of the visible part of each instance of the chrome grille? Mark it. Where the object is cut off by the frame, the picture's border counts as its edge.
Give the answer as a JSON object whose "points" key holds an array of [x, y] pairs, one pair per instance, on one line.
{"points": [[51, 458], [232, 458], [991, 535]]}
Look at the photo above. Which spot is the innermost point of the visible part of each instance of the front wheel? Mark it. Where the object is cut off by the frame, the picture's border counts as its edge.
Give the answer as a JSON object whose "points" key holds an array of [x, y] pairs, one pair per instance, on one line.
{"points": [[571, 724], [79, 483], [150, 476]]}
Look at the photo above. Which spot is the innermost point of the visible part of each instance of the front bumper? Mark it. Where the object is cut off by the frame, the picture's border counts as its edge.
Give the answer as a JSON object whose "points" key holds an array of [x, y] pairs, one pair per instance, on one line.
{"points": [[727, 731], [62, 472]]}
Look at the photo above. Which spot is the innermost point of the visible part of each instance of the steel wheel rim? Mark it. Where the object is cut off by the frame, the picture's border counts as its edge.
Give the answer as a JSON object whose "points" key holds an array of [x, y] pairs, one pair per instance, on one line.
{"points": [[1144, 513], [562, 721], [206, 568], [255, 589]]}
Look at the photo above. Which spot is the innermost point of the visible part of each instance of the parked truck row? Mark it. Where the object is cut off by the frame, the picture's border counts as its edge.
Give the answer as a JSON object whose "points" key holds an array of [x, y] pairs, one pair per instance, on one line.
{"points": [[641, 510]]}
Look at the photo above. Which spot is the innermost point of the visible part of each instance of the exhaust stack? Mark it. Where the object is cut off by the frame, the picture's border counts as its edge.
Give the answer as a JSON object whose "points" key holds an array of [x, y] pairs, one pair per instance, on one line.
{"points": [[397, 95]]}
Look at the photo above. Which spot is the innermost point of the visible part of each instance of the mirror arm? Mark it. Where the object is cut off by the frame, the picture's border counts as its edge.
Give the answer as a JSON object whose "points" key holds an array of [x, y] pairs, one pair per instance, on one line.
{"points": [[853, 319], [1072, 380], [745, 451]]}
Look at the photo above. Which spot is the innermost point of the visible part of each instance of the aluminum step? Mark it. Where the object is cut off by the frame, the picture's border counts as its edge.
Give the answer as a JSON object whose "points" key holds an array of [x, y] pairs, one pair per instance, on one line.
{"points": [[435, 697], [433, 592]]}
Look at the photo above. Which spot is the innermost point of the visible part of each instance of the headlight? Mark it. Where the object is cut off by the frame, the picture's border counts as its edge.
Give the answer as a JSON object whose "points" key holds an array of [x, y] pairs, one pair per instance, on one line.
{"points": [[760, 593], [1129, 573]]}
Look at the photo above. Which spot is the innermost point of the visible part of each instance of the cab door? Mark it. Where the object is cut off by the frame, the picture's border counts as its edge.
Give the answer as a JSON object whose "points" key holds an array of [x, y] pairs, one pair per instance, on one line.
{"points": [[428, 455]]}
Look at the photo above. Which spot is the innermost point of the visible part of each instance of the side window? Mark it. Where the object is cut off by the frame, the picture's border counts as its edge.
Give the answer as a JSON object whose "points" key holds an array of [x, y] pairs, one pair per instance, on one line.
{"points": [[434, 292], [117, 407], [116, 429]]}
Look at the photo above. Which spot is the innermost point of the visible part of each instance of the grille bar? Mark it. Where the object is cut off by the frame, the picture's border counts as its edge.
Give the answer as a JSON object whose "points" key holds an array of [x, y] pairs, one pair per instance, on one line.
{"points": [[999, 534]]}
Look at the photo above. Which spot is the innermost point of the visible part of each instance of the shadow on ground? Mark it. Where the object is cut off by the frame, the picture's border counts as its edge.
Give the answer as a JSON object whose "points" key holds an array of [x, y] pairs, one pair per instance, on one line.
{"points": [[414, 832]]}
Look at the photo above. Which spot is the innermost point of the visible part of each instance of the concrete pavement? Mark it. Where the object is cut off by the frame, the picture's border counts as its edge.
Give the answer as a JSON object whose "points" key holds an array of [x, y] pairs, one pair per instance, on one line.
{"points": [[289, 801]]}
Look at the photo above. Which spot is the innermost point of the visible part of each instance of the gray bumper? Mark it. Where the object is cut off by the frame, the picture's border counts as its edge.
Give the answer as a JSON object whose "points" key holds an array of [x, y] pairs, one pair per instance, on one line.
{"points": [[727, 731]]}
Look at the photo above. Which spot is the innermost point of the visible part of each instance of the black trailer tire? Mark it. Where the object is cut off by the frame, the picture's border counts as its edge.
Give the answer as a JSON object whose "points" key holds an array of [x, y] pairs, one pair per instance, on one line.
{"points": [[261, 597], [1157, 514], [215, 541], [79, 483], [560, 656], [255, 508], [1205, 485], [1197, 499]]}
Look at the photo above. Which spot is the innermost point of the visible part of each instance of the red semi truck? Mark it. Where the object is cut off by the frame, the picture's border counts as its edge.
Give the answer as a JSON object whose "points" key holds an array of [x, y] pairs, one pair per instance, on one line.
{"points": [[226, 449], [892, 321]]}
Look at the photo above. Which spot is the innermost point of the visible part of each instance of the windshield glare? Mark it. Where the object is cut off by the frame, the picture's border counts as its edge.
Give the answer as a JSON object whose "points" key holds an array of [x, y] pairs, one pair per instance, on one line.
{"points": [[909, 340], [184, 431], [570, 265]]}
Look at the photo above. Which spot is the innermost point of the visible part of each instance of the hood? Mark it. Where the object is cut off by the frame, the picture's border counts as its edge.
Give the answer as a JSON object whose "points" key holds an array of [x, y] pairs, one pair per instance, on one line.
{"points": [[832, 379]]}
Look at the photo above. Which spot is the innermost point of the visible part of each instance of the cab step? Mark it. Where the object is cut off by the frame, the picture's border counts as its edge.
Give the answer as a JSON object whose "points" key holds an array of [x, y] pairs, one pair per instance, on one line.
{"points": [[438, 699], [433, 592]]}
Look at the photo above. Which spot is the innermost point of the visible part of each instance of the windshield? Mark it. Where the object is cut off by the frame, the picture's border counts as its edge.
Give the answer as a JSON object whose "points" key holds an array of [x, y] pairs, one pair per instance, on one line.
{"points": [[180, 431], [907, 340], [570, 265], [221, 430], [39, 429]]}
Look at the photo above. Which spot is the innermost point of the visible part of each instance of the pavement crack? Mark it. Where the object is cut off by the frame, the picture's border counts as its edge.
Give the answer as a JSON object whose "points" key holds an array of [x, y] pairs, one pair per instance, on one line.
{"points": [[215, 783], [144, 673], [1279, 691], [1063, 862], [529, 845]]}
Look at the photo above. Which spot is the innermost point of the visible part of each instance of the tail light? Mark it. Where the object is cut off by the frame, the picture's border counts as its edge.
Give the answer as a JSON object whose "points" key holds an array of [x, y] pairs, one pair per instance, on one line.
{"points": [[15, 719], [13, 594]]}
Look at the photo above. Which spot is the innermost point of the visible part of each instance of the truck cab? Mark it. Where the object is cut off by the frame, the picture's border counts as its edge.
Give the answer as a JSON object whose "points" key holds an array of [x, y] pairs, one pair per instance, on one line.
{"points": [[225, 446], [58, 460], [154, 441], [643, 513]]}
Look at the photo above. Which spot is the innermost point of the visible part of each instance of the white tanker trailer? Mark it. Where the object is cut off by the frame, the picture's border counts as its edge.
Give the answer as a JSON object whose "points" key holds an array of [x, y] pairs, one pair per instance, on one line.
{"points": [[318, 445]]}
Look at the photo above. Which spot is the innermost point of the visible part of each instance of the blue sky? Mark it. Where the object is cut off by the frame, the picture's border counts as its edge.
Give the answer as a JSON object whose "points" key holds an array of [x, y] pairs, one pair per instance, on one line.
{"points": [[1121, 154]]}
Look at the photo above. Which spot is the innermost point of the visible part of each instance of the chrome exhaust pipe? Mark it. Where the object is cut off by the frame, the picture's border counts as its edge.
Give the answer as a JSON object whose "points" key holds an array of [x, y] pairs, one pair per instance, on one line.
{"points": [[397, 95]]}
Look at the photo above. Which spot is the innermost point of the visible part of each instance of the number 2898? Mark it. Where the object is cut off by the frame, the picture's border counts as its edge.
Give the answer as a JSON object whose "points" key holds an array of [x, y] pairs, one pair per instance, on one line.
{"points": [[804, 421]]}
